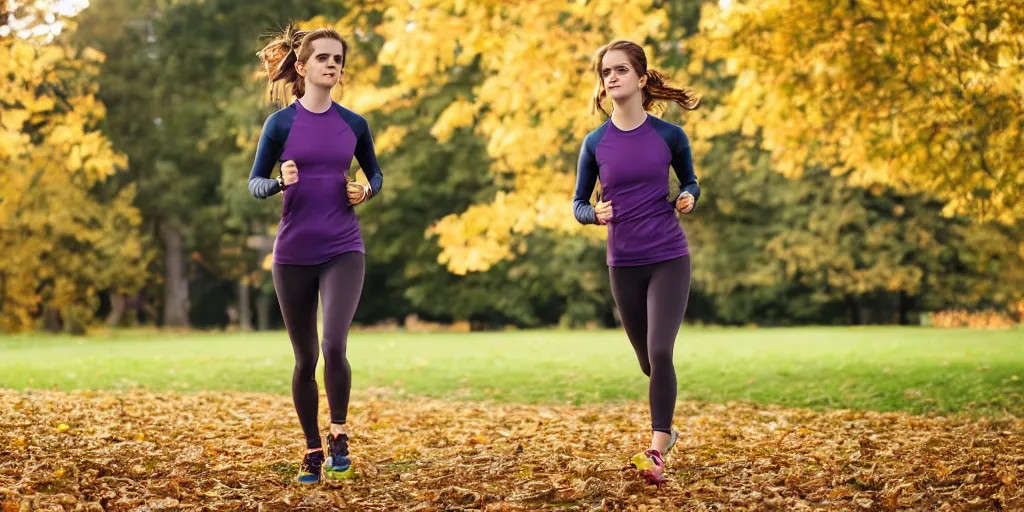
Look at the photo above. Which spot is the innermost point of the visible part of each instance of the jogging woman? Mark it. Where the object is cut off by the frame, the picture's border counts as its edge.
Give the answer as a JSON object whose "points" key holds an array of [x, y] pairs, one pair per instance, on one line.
{"points": [[319, 248], [648, 256]]}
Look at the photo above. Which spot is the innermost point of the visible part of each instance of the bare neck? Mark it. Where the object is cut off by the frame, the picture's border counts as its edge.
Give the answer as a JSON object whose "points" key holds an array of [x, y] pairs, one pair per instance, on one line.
{"points": [[630, 113], [316, 99]]}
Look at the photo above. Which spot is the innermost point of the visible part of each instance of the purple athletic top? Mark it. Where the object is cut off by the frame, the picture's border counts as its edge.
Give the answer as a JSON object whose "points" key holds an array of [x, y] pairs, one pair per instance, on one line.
{"points": [[633, 167], [317, 220]]}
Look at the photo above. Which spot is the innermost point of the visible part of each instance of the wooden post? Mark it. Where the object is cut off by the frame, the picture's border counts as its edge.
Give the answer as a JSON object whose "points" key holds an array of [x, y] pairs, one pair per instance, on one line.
{"points": [[264, 245]]}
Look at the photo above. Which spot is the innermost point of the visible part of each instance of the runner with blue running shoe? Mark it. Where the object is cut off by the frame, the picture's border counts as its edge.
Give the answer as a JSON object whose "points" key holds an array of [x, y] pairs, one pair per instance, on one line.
{"points": [[319, 248]]}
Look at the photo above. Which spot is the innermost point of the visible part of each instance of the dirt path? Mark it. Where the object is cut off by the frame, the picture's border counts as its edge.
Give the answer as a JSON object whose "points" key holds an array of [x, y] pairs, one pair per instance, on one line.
{"points": [[231, 451]]}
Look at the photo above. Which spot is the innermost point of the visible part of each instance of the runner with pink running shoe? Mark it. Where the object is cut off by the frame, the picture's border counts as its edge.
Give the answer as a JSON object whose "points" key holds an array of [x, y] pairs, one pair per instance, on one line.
{"points": [[648, 255]]}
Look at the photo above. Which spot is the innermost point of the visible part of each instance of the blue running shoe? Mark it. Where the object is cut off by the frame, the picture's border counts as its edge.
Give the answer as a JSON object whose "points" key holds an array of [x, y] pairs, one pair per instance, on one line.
{"points": [[311, 467], [338, 465]]}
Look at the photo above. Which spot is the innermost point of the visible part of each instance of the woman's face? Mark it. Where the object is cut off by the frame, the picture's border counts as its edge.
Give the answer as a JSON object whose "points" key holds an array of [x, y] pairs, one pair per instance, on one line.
{"points": [[323, 67], [621, 80]]}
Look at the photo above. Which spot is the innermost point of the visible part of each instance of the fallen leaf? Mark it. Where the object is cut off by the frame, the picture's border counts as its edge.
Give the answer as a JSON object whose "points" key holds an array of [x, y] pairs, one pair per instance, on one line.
{"points": [[226, 450]]}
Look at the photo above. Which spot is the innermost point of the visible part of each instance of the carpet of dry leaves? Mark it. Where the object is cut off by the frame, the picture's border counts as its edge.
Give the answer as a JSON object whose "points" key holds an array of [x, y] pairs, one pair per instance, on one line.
{"points": [[232, 451]]}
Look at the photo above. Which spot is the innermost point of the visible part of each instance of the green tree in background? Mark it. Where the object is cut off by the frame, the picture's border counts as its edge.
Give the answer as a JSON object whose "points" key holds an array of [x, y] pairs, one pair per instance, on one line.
{"points": [[477, 111], [173, 70]]}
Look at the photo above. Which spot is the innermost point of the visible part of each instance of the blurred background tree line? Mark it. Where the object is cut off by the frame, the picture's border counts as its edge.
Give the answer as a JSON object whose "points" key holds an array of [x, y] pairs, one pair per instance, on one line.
{"points": [[859, 161]]}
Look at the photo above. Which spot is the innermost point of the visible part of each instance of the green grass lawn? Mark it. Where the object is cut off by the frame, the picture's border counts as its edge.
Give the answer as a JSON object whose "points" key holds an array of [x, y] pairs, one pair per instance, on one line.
{"points": [[919, 370]]}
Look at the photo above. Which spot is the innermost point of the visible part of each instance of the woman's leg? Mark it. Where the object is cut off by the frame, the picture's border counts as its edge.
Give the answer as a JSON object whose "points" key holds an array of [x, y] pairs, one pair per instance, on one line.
{"points": [[296, 287], [341, 285], [666, 288], [629, 289], [666, 305]]}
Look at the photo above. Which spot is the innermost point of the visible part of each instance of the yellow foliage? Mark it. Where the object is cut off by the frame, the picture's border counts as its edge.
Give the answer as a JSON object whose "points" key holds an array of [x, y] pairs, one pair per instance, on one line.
{"points": [[60, 244], [532, 104], [457, 115], [390, 138], [922, 96], [959, 318]]}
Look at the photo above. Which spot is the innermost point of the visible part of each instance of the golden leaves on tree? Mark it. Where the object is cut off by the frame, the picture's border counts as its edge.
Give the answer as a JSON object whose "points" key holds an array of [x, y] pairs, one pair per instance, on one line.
{"points": [[61, 243], [531, 104], [925, 97]]}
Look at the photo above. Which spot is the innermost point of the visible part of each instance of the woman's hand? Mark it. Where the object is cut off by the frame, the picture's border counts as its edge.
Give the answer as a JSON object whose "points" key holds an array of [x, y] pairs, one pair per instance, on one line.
{"points": [[289, 173], [603, 210], [685, 203], [357, 192]]}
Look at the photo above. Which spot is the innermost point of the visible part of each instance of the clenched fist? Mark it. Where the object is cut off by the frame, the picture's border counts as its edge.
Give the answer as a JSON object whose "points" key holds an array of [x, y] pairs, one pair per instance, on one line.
{"points": [[685, 203], [603, 210], [357, 192], [289, 173]]}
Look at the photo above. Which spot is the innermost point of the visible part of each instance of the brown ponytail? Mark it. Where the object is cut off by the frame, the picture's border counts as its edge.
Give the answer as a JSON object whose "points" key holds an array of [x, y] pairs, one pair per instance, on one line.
{"points": [[280, 55], [655, 89]]}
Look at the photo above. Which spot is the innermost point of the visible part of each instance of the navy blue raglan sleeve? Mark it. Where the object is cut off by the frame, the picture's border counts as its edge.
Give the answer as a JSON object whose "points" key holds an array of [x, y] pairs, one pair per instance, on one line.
{"points": [[365, 153], [268, 152], [367, 158], [682, 164], [586, 179]]}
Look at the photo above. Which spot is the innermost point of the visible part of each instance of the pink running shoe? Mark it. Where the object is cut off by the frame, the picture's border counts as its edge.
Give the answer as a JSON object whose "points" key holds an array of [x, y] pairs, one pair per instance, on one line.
{"points": [[651, 465]]}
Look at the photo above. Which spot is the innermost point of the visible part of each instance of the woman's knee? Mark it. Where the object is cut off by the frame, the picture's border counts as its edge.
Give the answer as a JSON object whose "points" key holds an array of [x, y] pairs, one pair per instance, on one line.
{"points": [[660, 358], [334, 350], [305, 367], [645, 366]]}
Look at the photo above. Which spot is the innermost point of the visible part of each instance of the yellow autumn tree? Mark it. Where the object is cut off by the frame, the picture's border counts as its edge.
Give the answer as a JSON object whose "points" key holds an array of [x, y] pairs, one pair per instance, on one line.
{"points": [[927, 97], [62, 241], [531, 104]]}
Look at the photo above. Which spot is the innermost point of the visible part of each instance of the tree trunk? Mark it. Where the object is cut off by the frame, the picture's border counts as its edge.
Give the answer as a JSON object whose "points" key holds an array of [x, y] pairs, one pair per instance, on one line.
{"points": [[263, 312], [244, 304], [176, 303], [144, 307], [51, 320], [118, 305], [904, 306], [73, 323], [263, 245], [854, 308]]}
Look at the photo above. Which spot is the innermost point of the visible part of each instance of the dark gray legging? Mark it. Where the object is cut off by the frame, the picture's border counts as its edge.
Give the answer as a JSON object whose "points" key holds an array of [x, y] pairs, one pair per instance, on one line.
{"points": [[651, 300], [340, 283]]}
